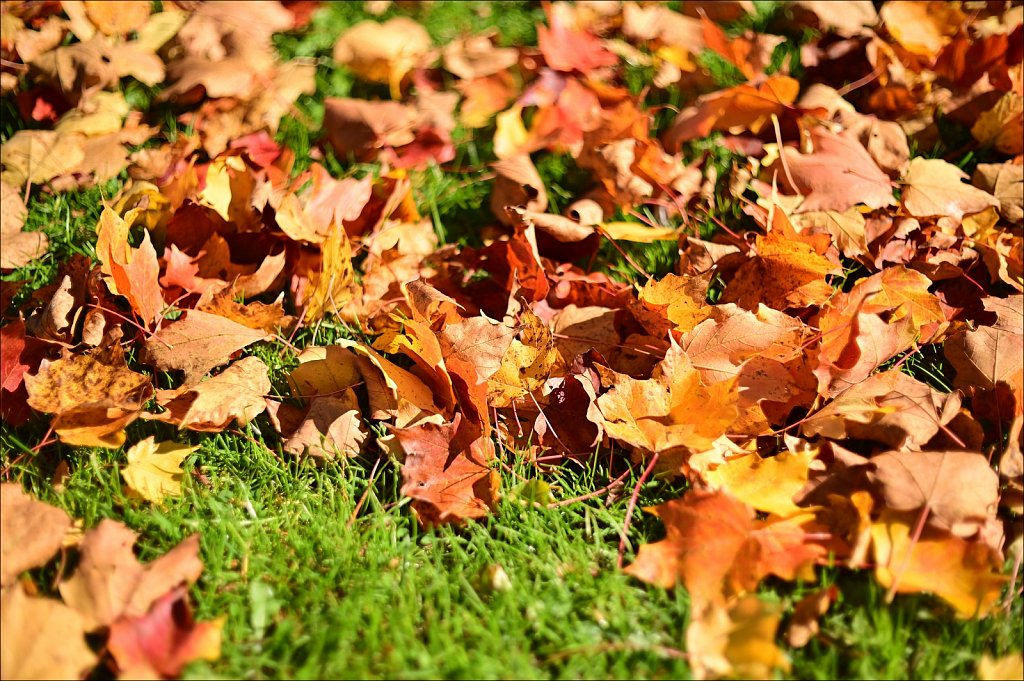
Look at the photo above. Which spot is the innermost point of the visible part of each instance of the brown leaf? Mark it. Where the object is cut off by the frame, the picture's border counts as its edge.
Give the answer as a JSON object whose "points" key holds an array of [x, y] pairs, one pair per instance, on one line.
{"points": [[960, 489], [1006, 182], [41, 638], [17, 247], [93, 397], [32, 532], [237, 394], [198, 342], [992, 354], [331, 427], [803, 625], [921, 27], [110, 582], [447, 475], [517, 184], [889, 407], [38, 156], [159, 643], [477, 57]]}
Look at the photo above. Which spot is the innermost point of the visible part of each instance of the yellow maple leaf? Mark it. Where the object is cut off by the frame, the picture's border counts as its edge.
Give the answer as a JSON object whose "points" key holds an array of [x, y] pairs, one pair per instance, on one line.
{"points": [[154, 470]]}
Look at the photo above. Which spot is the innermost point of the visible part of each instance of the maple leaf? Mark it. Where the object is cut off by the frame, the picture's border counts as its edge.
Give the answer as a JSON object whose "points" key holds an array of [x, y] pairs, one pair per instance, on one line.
{"points": [[330, 427], [889, 407], [154, 470], [383, 52], [717, 549], [964, 574], [236, 394], [198, 342], [935, 188], [737, 640], [838, 175], [787, 271], [132, 272], [803, 624], [41, 638], [768, 485], [18, 247], [990, 355], [921, 27], [526, 363], [110, 582], [568, 48], [32, 532], [447, 474], [960, 489], [673, 409], [161, 642], [93, 397], [744, 106]]}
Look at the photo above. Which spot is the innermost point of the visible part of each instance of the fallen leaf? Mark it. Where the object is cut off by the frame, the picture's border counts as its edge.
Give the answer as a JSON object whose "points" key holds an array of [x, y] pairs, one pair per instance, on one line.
{"points": [[673, 409], [768, 485], [788, 271], [959, 489], [889, 407], [1005, 182], [132, 272], [93, 396], [41, 638], [1009, 667], [964, 574], [447, 475], [38, 156], [198, 342], [154, 470], [159, 643], [17, 246], [568, 48], [935, 188], [383, 52], [803, 624], [110, 582], [737, 640], [237, 394], [745, 106], [526, 363], [837, 175], [923, 28], [32, 532]]}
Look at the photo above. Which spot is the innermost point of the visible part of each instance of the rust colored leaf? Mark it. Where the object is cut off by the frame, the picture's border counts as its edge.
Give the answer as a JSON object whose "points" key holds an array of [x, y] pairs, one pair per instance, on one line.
{"points": [[448, 475]]}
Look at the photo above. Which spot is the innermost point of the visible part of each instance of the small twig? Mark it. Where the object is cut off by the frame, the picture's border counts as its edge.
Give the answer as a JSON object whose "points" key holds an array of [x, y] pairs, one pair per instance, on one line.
{"points": [[632, 506], [617, 482]]}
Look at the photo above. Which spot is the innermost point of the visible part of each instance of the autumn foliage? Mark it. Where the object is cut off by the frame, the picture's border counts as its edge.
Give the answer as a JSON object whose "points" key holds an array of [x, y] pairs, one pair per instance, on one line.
{"points": [[768, 369]]}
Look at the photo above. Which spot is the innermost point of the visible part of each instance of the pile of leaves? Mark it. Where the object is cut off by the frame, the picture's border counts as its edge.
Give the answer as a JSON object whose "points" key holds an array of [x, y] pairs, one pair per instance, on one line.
{"points": [[824, 246]]}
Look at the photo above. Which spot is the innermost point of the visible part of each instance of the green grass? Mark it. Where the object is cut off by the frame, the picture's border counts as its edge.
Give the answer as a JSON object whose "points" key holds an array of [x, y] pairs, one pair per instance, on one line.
{"points": [[321, 571]]}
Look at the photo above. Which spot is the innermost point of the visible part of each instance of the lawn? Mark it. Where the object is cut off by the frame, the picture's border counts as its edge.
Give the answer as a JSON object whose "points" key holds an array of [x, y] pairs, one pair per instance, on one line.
{"points": [[320, 567]]}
